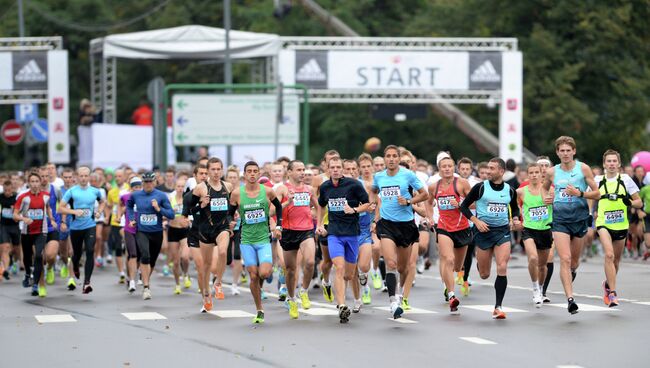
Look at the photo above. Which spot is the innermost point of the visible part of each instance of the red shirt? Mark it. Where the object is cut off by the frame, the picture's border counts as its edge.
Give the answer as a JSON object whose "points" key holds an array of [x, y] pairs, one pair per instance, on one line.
{"points": [[143, 115], [451, 219], [297, 216], [33, 206]]}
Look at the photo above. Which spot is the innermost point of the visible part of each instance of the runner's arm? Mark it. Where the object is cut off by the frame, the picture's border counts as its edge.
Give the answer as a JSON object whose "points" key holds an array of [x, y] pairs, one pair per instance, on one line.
{"points": [[166, 208], [278, 206], [473, 196], [514, 206]]}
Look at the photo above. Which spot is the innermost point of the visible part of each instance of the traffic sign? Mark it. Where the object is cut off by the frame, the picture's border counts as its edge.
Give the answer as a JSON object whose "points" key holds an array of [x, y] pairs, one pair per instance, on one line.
{"points": [[12, 132], [38, 131], [26, 112]]}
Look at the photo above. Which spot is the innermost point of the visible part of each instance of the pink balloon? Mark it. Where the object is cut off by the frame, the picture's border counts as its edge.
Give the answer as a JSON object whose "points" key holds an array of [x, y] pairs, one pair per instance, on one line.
{"points": [[641, 158]]}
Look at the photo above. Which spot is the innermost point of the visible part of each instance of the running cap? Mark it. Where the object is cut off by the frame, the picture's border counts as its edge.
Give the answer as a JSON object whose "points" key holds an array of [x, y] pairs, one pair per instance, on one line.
{"points": [[149, 176], [543, 161], [440, 156], [135, 181]]}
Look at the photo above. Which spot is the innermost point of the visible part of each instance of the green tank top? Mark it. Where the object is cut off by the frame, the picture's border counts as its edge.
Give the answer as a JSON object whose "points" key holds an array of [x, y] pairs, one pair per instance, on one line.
{"points": [[254, 213], [537, 215], [612, 213]]}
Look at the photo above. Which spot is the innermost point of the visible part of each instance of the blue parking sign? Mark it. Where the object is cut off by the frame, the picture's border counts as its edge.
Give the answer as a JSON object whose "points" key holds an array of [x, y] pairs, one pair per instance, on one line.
{"points": [[26, 112]]}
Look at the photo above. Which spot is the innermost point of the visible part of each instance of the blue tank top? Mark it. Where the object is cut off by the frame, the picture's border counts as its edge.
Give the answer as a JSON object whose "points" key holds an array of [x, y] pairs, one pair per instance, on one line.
{"points": [[568, 208], [492, 207]]}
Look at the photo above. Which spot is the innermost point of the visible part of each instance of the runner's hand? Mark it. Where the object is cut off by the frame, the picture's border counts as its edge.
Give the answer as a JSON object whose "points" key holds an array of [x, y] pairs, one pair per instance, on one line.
{"points": [[64, 227], [205, 200], [154, 204], [79, 213], [481, 226], [572, 191], [402, 201], [132, 223], [515, 224], [321, 231], [54, 225], [28, 221], [277, 234], [453, 202], [348, 210], [290, 196]]}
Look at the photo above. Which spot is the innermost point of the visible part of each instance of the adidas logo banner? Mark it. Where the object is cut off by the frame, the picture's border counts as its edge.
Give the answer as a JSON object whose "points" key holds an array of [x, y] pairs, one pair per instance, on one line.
{"points": [[312, 68], [485, 70], [30, 70]]}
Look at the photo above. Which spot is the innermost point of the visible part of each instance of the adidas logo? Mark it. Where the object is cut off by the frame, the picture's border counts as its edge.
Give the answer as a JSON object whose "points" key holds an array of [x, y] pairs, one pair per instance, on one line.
{"points": [[485, 73], [311, 71], [30, 72]]}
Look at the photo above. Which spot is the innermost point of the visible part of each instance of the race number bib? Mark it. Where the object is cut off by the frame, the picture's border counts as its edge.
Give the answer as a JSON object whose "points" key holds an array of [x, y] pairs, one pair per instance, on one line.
{"points": [[301, 199], [614, 217], [114, 211], [35, 214], [255, 216], [218, 204], [148, 219], [7, 213], [178, 209], [538, 213], [444, 203], [336, 204], [497, 209], [391, 192], [563, 196]]}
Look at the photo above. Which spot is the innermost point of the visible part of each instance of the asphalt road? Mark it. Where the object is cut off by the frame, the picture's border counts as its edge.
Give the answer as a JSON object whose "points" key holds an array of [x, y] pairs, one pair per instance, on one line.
{"points": [[98, 334]]}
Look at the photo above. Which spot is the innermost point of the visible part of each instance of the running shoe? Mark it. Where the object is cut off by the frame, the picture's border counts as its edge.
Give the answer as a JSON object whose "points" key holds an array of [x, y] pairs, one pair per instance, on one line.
{"points": [[234, 290], [453, 304], [293, 309], [207, 304], [613, 299], [465, 288], [384, 289], [545, 299], [122, 278], [344, 313], [165, 270], [177, 290], [64, 273], [42, 292], [5, 274], [87, 289], [304, 299], [446, 294], [109, 259], [357, 306], [99, 262], [606, 292], [14, 268], [405, 304], [270, 278], [26, 281], [419, 265], [131, 286], [218, 292], [263, 295], [282, 294], [243, 279], [498, 313], [572, 306], [187, 283], [327, 293], [459, 278], [35, 290], [537, 298], [376, 281], [363, 279], [71, 284], [49, 275], [146, 294], [365, 297], [259, 318], [396, 310]]}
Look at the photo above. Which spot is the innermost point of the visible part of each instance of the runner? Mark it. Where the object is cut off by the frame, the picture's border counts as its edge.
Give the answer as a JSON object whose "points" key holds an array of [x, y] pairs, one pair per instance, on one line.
{"points": [[616, 192], [492, 226], [644, 215], [82, 198], [152, 205], [9, 230], [32, 209], [234, 253], [65, 247], [117, 223], [100, 220], [52, 241], [177, 229], [298, 234], [192, 211], [454, 233], [395, 226], [465, 167], [537, 236], [344, 198], [253, 201], [130, 231], [571, 216]]}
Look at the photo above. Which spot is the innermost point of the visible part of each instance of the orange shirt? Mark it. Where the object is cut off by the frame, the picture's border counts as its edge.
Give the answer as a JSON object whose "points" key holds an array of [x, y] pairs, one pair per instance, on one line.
{"points": [[143, 115]]}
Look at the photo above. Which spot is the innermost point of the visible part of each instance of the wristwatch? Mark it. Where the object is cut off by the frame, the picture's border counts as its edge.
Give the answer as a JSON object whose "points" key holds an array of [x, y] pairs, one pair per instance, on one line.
{"points": [[408, 202], [279, 228]]}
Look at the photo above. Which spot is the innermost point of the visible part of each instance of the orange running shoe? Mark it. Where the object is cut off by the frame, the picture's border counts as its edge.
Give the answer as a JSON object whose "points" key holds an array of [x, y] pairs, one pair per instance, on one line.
{"points": [[498, 314], [207, 305], [218, 292]]}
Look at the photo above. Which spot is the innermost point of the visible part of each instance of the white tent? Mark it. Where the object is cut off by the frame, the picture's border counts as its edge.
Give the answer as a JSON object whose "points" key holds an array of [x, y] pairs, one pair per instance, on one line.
{"points": [[189, 43]]}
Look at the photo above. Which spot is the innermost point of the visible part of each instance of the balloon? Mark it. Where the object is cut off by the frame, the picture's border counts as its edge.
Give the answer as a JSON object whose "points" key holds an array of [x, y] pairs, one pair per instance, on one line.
{"points": [[641, 159], [372, 144]]}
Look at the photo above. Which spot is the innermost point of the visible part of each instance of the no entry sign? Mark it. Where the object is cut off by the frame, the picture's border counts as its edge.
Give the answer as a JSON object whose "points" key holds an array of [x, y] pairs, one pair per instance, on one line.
{"points": [[12, 132]]}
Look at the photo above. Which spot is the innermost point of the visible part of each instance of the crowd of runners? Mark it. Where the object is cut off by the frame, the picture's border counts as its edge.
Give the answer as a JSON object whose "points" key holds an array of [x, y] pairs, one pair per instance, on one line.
{"points": [[363, 223]]}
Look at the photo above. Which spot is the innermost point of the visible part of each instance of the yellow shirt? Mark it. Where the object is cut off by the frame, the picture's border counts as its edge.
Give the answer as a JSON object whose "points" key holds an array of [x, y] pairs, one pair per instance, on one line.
{"points": [[113, 199]]}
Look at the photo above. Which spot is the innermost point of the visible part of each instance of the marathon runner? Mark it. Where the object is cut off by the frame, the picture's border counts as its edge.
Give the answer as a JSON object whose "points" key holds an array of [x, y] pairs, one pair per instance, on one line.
{"points": [[465, 167], [234, 253], [9, 230], [135, 184], [177, 229], [65, 247], [52, 239], [192, 211], [117, 223]]}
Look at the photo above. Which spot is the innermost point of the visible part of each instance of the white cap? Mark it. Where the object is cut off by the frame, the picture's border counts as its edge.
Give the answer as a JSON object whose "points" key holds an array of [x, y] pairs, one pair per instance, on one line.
{"points": [[441, 155], [136, 180]]}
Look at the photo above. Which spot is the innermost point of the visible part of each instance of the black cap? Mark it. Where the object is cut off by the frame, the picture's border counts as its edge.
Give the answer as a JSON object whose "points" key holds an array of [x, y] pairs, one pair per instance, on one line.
{"points": [[149, 176]]}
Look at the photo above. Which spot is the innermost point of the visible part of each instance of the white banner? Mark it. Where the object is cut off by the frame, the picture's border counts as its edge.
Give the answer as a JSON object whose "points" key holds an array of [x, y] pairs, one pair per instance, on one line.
{"points": [[208, 119], [511, 109], [58, 107]]}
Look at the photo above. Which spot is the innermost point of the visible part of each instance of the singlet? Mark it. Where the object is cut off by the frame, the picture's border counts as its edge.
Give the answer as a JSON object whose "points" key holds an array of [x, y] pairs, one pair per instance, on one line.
{"points": [[390, 187], [254, 213], [176, 206], [612, 213], [450, 218], [297, 216], [567, 208], [493, 207], [113, 199], [33, 206], [215, 214], [7, 210], [537, 215]]}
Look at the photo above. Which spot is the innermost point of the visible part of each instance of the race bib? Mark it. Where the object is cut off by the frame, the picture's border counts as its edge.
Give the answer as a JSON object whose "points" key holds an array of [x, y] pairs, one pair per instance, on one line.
{"points": [[444, 203], [336, 204], [148, 219], [301, 199], [614, 217], [7, 213], [391, 192], [563, 196], [218, 204], [85, 213], [255, 216], [35, 214], [178, 209], [114, 210], [538, 213], [497, 209]]}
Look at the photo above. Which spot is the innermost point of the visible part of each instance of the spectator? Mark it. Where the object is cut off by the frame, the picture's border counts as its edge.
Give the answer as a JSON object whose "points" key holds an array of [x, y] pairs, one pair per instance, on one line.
{"points": [[87, 113], [143, 115]]}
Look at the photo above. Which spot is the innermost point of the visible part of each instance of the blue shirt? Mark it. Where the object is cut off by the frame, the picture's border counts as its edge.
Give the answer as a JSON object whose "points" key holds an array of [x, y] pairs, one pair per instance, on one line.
{"points": [[148, 220], [390, 187], [55, 197], [492, 208], [567, 208], [82, 199]]}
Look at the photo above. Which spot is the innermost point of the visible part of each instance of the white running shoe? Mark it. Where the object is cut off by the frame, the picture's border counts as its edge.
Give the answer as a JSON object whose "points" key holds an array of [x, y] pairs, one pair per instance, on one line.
{"points": [[396, 309], [537, 298], [419, 265], [234, 290], [357, 306], [131, 286], [146, 294]]}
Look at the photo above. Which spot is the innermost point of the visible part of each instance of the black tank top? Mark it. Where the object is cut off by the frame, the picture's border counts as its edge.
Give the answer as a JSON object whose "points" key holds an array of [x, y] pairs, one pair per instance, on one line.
{"points": [[215, 214]]}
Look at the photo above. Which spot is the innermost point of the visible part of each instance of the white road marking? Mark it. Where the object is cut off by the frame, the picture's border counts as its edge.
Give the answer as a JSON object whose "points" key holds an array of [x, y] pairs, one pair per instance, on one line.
{"points": [[54, 318], [402, 320], [586, 307], [478, 340], [412, 311], [319, 311], [642, 303], [490, 308], [143, 316], [569, 366], [231, 314]]}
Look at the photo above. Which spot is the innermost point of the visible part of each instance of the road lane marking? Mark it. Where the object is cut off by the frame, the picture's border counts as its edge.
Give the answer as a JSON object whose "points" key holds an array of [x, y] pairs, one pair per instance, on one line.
{"points": [[143, 316], [402, 320], [478, 340], [490, 308], [54, 318], [411, 311], [231, 313], [586, 307], [319, 312]]}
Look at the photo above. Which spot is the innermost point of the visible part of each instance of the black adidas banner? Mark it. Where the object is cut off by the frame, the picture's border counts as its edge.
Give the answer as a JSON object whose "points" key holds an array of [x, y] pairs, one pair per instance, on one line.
{"points": [[29, 70]]}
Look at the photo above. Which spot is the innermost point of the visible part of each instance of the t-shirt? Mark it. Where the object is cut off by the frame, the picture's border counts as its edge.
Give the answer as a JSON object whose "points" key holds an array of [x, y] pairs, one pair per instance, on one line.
{"points": [[7, 210], [392, 187], [644, 193], [127, 225], [348, 191], [113, 199], [630, 185], [33, 206], [82, 199], [143, 115]]}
